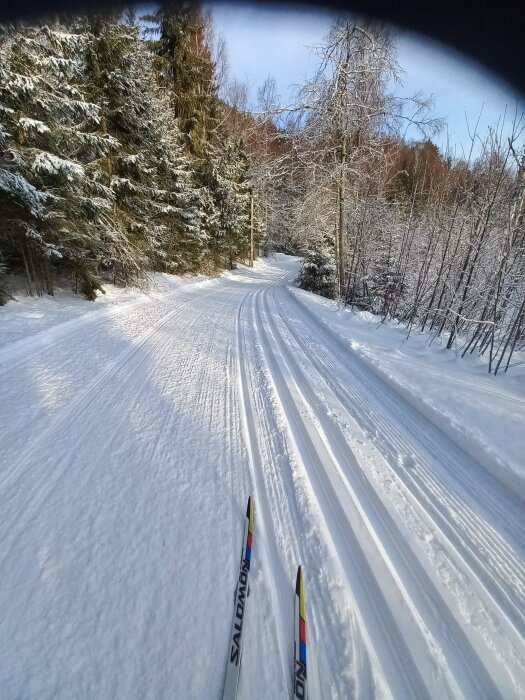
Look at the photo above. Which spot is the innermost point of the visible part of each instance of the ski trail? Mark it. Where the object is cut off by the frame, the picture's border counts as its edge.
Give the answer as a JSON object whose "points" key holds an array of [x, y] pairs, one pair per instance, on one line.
{"points": [[281, 506], [486, 492], [321, 413], [476, 541], [286, 494], [89, 394], [46, 384], [130, 448], [123, 472], [265, 547], [399, 667], [23, 350], [41, 489], [388, 543]]}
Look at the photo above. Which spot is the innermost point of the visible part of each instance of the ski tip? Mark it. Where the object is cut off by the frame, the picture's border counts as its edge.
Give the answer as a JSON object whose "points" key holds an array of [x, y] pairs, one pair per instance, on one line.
{"points": [[299, 581], [300, 592], [250, 513]]}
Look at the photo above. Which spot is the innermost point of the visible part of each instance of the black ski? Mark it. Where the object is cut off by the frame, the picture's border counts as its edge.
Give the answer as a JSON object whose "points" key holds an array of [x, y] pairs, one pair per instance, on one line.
{"points": [[233, 665], [300, 688]]}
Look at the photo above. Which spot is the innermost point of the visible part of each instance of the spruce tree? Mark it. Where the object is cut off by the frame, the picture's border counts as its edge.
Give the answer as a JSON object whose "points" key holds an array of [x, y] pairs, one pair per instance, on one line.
{"points": [[184, 61], [52, 204]]}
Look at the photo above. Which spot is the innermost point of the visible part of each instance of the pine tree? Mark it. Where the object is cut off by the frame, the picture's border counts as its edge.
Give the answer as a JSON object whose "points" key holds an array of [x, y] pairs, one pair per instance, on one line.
{"points": [[155, 218], [185, 67]]}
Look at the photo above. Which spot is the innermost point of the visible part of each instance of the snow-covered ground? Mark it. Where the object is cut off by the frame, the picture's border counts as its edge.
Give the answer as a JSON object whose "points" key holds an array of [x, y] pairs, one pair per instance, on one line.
{"points": [[132, 432]]}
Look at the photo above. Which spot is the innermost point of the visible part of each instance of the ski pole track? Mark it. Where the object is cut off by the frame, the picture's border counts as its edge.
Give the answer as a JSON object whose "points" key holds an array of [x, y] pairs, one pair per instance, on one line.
{"points": [[272, 482], [374, 505], [251, 429], [477, 542]]}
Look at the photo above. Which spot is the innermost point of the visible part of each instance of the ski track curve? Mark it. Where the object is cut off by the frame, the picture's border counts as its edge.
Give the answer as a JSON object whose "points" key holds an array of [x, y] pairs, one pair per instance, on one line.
{"points": [[335, 671], [130, 487], [252, 429], [399, 666]]}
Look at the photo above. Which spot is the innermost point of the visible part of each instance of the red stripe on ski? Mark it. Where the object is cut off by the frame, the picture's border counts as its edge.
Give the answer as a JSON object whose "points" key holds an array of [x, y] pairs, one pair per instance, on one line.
{"points": [[302, 630]]}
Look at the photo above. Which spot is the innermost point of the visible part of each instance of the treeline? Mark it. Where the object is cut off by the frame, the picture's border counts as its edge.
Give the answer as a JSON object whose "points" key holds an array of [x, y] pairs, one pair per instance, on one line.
{"points": [[116, 155], [396, 227]]}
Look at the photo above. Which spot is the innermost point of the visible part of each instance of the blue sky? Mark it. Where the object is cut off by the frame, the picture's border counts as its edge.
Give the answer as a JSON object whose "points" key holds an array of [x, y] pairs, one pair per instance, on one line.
{"points": [[264, 41]]}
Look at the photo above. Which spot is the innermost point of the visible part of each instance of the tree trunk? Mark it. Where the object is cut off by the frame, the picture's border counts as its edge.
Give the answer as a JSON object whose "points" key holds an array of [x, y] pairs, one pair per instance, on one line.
{"points": [[341, 197], [251, 229]]}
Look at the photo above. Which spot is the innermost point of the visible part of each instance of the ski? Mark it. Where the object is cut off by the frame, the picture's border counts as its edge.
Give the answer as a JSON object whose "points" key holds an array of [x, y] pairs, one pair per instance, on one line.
{"points": [[233, 665], [300, 688]]}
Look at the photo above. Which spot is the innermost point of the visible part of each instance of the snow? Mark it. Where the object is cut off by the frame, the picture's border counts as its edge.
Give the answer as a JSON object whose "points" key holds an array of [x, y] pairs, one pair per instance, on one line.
{"points": [[49, 164], [28, 124], [457, 394], [19, 187], [19, 85], [133, 430]]}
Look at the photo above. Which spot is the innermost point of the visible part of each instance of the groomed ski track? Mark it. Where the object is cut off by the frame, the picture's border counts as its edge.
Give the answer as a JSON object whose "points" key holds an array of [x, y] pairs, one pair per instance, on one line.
{"points": [[130, 448]]}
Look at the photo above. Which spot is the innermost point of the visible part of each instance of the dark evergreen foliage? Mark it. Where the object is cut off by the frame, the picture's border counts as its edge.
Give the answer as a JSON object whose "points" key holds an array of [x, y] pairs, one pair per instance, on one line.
{"points": [[318, 273], [112, 159]]}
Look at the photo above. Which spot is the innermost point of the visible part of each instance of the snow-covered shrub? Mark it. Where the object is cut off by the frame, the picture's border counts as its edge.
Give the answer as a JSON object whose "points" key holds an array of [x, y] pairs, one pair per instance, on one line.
{"points": [[318, 273]]}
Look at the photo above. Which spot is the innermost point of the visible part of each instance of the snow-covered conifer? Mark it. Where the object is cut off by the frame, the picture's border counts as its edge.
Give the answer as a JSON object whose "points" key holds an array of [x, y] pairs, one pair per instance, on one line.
{"points": [[53, 205]]}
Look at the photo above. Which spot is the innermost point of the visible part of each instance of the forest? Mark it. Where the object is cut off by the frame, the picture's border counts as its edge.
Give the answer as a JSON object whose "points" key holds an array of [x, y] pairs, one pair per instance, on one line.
{"points": [[125, 148]]}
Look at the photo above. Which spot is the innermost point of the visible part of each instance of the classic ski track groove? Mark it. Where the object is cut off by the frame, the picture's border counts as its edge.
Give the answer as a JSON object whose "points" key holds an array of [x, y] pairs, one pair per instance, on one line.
{"points": [[432, 437], [283, 496], [481, 682], [400, 668], [467, 532], [332, 387], [252, 426]]}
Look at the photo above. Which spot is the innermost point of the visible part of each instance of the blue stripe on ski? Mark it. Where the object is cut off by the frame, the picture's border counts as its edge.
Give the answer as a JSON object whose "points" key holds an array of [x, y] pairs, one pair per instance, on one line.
{"points": [[302, 652]]}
